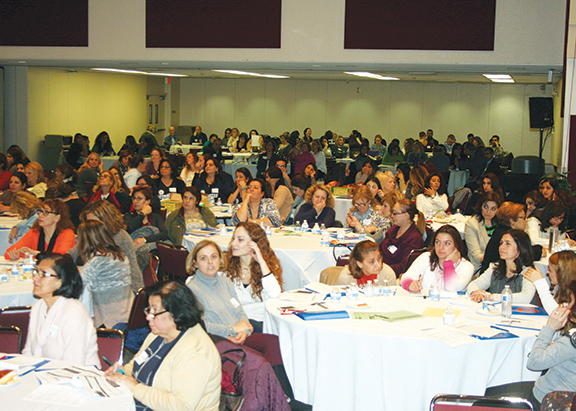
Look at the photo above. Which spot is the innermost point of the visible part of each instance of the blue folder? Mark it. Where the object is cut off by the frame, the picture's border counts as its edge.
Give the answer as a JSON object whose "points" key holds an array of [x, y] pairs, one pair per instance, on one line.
{"points": [[322, 315]]}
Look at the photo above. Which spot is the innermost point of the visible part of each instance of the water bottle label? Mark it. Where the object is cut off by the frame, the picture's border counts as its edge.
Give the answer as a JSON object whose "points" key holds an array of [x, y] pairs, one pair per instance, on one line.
{"points": [[506, 298]]}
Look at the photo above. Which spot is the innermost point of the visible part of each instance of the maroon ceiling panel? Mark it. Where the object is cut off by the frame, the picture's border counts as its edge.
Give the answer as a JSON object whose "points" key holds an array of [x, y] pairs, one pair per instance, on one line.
{"points": [[213, 23], [420, 24], [53, 23]]}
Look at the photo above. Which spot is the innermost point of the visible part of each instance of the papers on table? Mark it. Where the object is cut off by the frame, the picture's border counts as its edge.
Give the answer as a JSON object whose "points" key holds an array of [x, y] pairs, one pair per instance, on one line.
{"points": [[438, 312], [391, 316]]}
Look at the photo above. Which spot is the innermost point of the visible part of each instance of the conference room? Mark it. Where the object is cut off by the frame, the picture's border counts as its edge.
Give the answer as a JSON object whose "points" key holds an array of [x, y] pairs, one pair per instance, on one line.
{"points": [[276, 67]]}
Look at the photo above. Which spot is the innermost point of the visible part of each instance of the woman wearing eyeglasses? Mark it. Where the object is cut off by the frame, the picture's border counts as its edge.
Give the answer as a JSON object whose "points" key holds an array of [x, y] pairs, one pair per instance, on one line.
{"points": [[168, 184], [404, 236], [178, 366], [107, 271], [52, 232], [60, 327], [107, 189], [365, 213]]}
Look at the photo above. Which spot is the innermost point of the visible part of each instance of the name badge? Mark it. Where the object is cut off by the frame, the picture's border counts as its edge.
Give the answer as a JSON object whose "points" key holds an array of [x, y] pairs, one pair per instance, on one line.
{"points": [[53, 331], [172, 189], [215, 190], [141, 358], [234, 302], [392, 248]]}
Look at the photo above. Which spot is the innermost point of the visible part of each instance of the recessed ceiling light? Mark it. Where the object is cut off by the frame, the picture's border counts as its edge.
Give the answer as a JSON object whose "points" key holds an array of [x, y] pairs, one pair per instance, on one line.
{"points": [[167, 74], [370, 75], [499, 78], [123, 71], [247, 73]]}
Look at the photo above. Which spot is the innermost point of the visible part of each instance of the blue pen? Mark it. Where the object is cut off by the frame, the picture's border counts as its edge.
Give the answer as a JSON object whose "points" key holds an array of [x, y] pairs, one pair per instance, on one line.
{"points": [[312, 291], [498, 328], [520, 328]]}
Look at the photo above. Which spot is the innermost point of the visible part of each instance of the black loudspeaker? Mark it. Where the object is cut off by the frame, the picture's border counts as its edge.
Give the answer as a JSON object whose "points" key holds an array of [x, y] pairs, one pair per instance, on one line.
{"points": [[541, 112]]}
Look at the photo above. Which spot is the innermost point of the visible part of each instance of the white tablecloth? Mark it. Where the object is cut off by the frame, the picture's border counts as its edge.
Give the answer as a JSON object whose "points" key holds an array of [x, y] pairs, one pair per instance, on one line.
{"points": [[302, 257], [456, 220], [342, 206], [457, 179], [13, 398], [184, 148], [375, 365]]}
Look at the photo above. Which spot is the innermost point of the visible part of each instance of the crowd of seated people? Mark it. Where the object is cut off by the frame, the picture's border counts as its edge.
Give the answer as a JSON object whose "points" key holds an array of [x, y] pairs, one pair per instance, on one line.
{"points": [[109, 221]]}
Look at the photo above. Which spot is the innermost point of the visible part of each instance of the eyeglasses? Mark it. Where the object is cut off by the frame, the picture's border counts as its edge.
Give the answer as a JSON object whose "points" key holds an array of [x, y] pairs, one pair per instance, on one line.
{"points": [[45, 213], [360, 204], [399, 212], [42, 274], [154, 315]]}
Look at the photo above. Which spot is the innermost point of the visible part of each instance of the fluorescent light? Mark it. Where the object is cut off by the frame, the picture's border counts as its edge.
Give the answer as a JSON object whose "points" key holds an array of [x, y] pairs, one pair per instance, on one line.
{"points": [[370, 75], [247, 73], [139, 72], [499, 78]]}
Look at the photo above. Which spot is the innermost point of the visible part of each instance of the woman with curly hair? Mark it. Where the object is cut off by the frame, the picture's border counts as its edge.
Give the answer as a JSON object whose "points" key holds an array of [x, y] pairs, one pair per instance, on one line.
{"points": [[52, 232], [365, 213], [417, 176], [107, 189], [254, 269], [88, 173], [318, 207]]}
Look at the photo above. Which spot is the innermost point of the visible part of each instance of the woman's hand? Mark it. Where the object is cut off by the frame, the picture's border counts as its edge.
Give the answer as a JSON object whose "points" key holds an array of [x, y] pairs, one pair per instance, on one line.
{"points": [[571, 242], [12, 235], [242, 326], [352, 221], [139, 241], [240, 337], [415, 286], [127, 380], [533, 274], [480, 295], [241, 184], [429, 192], [255, 251], [14, 254], [320, 206], [454, 256], [558, 318], [146, 210]]}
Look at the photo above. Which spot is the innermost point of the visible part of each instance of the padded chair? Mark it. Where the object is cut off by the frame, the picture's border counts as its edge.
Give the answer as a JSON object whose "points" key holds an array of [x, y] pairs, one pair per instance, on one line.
{"points": [[110, 345], [10, 339], [173, 260], [336, 276], [341, 253], [445, 402], [150, 273], [414, 254], [18, 316], [137, 326]]}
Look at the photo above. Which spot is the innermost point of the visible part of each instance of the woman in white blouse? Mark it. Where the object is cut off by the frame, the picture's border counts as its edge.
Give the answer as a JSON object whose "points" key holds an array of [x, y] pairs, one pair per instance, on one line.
{"points": [[60, 327], [553, 215], [479, 228], [433, 199], [254, 269]]}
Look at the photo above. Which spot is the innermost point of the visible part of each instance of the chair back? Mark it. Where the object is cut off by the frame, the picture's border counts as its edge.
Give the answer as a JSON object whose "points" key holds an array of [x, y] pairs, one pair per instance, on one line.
{"points": [[110, 345], [172, 260], [18, 316], [150, 273], [10, 339], [341, 253], [445, 402], [137, 318], [414, 254]]}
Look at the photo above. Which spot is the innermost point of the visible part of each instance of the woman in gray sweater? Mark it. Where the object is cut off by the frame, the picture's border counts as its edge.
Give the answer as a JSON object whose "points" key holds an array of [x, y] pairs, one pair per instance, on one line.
{"points": [[223, 314]]}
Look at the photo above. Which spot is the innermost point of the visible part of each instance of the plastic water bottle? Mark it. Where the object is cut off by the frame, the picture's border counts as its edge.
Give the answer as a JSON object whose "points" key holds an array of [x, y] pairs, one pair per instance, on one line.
{"points": [[449, 317], [323, 229], [223, 230], [325, 239], [507, 302], [4, 275], [434, 293], [305, 226], [353, 291], [15, 272], [316, 229], [362, 232], [268, 231], [219, 202], [385, 291], [297, 227], [340, 235], [335, 295], [369, 289]]}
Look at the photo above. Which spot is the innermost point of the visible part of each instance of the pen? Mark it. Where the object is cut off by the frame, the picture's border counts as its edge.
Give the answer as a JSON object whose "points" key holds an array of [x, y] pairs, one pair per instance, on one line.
{"points": [[498, 328], [107, 361], [520, 328], [312, 291]]}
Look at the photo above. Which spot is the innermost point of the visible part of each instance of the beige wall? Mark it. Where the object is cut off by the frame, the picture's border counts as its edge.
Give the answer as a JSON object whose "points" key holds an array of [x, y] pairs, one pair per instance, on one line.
{"points": [[392, 109], [527, 32], [61, 102]]}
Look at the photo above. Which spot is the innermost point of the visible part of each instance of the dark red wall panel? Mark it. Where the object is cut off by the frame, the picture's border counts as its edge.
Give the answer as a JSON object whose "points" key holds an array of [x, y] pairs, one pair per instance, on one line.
{"points": [[213, 23], [55, 23], [420, 24]]}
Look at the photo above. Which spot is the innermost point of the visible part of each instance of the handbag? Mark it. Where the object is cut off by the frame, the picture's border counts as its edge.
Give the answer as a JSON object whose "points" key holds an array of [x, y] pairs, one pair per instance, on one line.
{"points": [[231, 398]]}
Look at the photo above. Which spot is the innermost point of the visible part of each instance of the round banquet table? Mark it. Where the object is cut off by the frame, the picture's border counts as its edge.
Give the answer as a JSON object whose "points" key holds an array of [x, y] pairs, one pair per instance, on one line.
{"points": [[6, 224], [456, 220], [345, 364], [302, 257]]}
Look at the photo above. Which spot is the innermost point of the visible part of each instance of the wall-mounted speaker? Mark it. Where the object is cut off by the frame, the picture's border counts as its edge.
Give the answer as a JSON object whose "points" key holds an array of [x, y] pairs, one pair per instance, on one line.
{"points": [[541, 112]]}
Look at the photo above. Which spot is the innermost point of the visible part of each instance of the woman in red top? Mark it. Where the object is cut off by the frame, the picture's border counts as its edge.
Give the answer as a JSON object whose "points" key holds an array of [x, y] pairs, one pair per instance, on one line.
{"points": [[404, 236], [4, 173], [108, 189], [366, 264], [52, 232]]}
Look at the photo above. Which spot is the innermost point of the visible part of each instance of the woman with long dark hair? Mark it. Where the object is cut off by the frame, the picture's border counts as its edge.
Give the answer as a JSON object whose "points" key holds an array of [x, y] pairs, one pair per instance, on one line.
{"points": [[258, 206], [243, 177], [433, 199], [553, 216], [280, 192], [516, 258], [103, 145]]}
